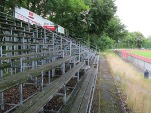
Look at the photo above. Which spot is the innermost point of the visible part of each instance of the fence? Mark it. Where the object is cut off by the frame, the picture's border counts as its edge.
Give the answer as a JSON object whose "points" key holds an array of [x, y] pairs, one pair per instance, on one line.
{"points": [[143, 62]]}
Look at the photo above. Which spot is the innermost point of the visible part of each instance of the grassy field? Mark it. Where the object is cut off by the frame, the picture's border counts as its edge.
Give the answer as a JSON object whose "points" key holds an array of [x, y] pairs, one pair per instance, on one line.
{"points": [[143, 53], [133, 85]]}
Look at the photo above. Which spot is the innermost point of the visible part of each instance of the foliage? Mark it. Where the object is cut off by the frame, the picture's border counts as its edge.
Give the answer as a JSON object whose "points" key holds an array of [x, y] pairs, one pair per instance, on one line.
{"points": [[147, 43], [133, 40], [105, 42], [139, 38], [99, 15], [116, 30], [82, 18], [133, 85]]}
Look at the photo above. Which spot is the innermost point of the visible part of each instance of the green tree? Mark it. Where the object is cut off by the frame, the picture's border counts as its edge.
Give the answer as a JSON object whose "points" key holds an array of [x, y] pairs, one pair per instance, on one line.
{"points": [[147, 43], [139, 38], [116, 30], [82, 18], [100, 13], [105, 42], [133, 40]]}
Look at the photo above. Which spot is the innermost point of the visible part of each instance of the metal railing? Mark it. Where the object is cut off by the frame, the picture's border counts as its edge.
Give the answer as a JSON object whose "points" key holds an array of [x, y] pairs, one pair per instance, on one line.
{"points": [[142, 62]]}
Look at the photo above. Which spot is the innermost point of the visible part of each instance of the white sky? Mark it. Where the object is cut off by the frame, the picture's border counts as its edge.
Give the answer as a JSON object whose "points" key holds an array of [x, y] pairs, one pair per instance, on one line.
{"points": [[135, 14]]}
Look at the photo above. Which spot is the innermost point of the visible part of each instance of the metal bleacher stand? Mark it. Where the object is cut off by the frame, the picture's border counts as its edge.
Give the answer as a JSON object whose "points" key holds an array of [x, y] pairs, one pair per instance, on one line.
{"points": [[28, 53]]}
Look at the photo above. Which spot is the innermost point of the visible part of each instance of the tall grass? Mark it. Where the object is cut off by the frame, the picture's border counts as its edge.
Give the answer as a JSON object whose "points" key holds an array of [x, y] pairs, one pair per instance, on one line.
{"points": [[132, 83]]}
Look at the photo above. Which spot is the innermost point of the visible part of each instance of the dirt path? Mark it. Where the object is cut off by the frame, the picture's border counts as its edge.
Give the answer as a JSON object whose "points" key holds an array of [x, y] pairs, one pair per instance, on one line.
{"points": [[106, 98]]}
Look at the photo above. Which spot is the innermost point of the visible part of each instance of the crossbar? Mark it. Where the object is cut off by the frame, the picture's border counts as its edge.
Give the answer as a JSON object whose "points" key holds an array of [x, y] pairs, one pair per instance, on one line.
{"points": [[21, 77], [40, 100]]}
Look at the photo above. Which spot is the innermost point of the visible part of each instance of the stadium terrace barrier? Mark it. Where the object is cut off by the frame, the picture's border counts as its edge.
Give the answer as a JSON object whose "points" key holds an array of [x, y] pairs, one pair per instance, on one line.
{"points": [[144, 63], [36, 63]]}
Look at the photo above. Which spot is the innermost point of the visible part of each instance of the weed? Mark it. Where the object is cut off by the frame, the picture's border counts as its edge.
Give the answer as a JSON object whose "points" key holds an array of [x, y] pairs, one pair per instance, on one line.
{"points": [[132, 83]]}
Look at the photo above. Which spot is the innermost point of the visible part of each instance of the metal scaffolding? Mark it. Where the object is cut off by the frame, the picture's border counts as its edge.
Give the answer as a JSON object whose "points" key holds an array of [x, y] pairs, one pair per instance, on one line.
{"points": [[31, 55]]}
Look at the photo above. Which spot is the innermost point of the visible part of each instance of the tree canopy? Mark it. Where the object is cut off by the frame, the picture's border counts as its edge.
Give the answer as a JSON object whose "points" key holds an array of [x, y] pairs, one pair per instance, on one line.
{"points": [[92, 20]]}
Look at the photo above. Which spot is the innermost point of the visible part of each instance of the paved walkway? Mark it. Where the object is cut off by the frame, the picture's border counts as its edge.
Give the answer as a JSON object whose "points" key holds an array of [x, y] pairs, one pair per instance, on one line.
{"points": [[109, 101]]}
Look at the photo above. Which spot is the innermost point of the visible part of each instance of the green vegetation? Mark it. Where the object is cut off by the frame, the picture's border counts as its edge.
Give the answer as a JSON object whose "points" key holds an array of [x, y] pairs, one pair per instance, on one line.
{"points": [[146, 54], [93, 21], [134, 40], [133, 85], [147, 43]]}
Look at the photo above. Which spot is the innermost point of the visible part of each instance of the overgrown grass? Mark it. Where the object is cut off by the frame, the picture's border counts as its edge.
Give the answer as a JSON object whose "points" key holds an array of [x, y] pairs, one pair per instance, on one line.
{"points": [[133, 84]]}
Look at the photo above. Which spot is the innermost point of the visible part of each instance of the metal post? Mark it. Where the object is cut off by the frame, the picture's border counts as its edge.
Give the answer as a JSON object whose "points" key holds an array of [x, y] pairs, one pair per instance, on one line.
{"points": [[53, 70], [21, 93], [63, 54], [63, 68], [21, 24], [10, 47], [36, 49], [98, 63], [36, 63], [28, 25], [36, 81], [23, 47], [15, 70], [49, 60], [42, 82], [11, 67], [44, 36], [36, 31], [79, 53], [70, 65], [33, 64], [1, 71], [88, 59], [48, 77], [2, 100], [21, 64], [65, 94], [6, 49], [74, 62], [78, 78], [42, 61], [70, 48], [61, 43], [1, 51], [53, 41]]}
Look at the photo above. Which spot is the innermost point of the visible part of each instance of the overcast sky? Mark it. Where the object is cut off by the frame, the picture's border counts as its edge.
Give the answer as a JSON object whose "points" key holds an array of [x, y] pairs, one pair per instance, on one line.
{"points": [[135, 14]]}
